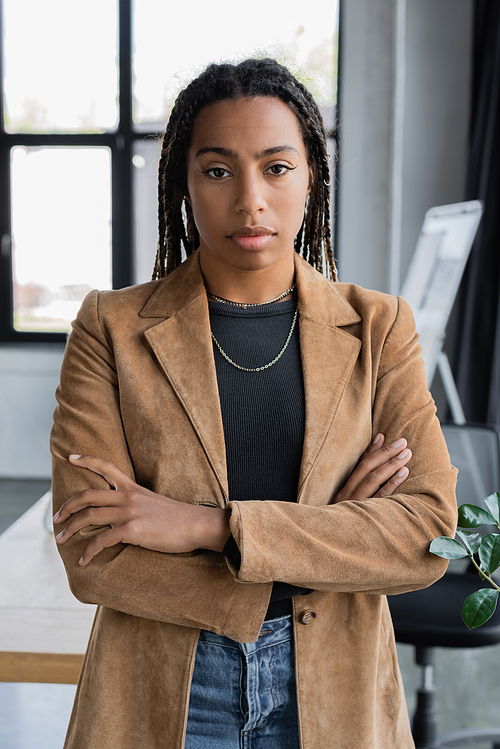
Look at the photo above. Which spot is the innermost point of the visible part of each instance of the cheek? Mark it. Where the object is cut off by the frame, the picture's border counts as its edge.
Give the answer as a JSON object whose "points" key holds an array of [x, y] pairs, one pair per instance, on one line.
{"points": [[205, 208], [294, 208], [208, 217]]}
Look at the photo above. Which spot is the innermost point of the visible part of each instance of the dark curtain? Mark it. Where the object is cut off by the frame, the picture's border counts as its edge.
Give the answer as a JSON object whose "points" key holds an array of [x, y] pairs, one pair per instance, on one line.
{"points": [[476, 349]]}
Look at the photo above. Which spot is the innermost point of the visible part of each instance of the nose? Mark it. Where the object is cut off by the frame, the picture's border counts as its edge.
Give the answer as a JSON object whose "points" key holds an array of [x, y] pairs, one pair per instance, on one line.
{"points": [[249, 196]]}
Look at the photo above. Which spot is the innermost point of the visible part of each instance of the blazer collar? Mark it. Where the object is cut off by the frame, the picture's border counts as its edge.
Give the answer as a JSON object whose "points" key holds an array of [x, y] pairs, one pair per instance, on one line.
{"points": [[183, 347], [176, 291], [318, 298]]}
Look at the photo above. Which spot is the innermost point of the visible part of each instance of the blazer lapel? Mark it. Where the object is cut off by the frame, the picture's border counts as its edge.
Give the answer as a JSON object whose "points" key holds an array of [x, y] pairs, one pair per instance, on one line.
{"points": [[328, 357], [183, 347], [182, 344]]}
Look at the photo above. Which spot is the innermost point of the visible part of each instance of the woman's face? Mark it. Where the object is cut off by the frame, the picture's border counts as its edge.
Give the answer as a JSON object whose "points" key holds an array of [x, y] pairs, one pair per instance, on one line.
{"points": [[248, 182]]}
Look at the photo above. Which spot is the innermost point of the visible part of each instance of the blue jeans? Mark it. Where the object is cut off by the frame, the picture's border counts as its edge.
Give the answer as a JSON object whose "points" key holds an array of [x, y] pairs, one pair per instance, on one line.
{"points": [[243, 694]]}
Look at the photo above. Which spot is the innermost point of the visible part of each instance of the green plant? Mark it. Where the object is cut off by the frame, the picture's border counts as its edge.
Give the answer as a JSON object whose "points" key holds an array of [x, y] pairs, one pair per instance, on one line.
{"points": [[481, 605]]}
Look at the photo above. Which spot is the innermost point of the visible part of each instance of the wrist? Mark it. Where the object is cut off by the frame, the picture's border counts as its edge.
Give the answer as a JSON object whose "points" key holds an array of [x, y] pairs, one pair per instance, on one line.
{"points": [[213, 529]]}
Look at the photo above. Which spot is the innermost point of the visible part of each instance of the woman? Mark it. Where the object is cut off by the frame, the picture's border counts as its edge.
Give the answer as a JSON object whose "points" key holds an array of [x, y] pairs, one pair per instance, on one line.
{"points": [[242, 558]]}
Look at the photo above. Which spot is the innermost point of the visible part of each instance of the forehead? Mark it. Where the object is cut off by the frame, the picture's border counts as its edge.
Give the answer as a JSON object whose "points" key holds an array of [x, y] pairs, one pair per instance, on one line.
{"points": [[253, 123]]}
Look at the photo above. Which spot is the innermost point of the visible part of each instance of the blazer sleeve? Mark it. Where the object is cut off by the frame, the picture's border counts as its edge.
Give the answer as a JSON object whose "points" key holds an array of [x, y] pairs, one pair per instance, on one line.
{"points": [[373, 545], [194, 590]]}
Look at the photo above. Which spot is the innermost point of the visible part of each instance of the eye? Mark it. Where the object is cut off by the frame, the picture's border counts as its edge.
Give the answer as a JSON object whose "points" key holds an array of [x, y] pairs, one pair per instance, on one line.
{"points": [[216, 172], [279, 169]]}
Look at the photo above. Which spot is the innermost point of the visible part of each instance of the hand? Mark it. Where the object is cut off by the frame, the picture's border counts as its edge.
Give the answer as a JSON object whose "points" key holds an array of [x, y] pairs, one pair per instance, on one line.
{"points": [[380, 471], [138, 516]]}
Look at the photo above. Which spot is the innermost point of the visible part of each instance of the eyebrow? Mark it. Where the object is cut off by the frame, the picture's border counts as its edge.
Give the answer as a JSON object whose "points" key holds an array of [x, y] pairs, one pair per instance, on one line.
{"points": [[233, 155]]}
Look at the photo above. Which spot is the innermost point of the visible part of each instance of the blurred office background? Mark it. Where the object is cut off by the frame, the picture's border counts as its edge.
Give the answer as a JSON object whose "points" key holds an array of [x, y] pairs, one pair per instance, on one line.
{"points": [[407, 90]]}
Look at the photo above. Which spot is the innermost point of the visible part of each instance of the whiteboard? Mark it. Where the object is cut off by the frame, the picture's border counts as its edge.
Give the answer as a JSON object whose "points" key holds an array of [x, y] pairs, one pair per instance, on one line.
{"points": [[436, 270]]}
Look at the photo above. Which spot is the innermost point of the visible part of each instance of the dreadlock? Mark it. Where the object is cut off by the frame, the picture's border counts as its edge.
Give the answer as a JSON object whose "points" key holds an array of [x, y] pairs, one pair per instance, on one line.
{"points": [[227, 81]]}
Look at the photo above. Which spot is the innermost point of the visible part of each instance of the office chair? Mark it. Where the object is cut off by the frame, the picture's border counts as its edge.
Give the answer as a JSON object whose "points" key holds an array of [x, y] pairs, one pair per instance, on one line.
{"points": [[431, 618]]}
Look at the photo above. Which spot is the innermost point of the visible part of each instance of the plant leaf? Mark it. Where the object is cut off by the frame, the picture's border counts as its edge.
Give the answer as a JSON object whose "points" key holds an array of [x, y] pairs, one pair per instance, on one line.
{"points": [[493, 504], [479, 607], [489, 553], [472, 516], [448, 548], [471, 541]]}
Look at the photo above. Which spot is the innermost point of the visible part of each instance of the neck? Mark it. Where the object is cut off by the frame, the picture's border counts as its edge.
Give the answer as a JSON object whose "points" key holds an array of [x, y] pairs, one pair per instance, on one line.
{"points": [[247, 286]]}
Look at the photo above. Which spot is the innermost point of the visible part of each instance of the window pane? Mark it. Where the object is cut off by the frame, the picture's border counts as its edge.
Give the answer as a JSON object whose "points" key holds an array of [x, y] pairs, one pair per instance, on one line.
{"points": [[61, 231], [145, 186], [171, 47], [60, 62]]}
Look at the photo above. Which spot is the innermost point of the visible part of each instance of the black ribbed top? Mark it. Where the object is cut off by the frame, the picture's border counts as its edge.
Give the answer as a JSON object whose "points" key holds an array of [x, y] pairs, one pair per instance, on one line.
{"points": [[263, 413]]}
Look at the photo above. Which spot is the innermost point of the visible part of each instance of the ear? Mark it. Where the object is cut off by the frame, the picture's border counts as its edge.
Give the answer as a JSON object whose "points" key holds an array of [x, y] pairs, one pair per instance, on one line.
{"points": [[188, 199]]}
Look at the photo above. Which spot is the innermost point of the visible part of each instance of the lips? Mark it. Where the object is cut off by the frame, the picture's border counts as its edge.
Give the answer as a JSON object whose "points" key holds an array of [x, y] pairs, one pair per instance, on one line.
{"points": [[252, 231], [252, 237]]}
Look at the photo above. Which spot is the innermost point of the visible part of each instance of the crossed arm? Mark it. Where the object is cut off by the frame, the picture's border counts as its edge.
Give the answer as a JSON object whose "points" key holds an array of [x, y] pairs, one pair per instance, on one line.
{"points": [[134, 515]]}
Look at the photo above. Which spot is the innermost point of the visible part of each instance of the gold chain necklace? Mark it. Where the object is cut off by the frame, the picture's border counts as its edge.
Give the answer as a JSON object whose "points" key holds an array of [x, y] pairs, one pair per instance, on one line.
{"points": [[266, 366], [252, 304]]}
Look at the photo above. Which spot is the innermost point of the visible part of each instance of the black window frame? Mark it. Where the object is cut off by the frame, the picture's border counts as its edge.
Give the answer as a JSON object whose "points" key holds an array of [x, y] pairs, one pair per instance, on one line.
{"points": [[120, 142]]}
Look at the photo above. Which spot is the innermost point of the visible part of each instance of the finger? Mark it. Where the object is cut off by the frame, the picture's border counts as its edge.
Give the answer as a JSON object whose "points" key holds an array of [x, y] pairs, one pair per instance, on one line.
{"points": [[87, 498], [91, 516], [113, 475], [101, 541], [370, 461], [104, 468], [377, 444], [373, 460], [391, 486], [372, 482], [364, 485], [388, 451]]}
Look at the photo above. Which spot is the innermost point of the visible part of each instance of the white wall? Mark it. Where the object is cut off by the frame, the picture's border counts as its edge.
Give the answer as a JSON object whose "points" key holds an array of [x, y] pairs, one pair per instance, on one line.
{"points": [[365, 98], [28, 378], [437, 103], [404, 95]]}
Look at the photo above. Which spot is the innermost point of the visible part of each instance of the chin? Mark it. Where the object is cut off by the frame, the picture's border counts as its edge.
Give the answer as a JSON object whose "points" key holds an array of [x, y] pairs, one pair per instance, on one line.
{"points": [[236, 259], [253, 263], [253, 260]]}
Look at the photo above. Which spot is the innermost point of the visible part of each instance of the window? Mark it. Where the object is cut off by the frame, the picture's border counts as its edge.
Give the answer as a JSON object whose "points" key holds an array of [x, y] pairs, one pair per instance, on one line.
{"points": [[81, 107]]}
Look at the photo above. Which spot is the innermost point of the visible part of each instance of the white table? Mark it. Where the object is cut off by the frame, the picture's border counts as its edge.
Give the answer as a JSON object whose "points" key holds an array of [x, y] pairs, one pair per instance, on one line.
{"points": [[44, 630]]}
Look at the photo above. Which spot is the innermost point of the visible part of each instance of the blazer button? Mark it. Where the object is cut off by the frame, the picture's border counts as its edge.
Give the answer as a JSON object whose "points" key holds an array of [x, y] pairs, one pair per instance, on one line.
{"points": [[307, 616]]}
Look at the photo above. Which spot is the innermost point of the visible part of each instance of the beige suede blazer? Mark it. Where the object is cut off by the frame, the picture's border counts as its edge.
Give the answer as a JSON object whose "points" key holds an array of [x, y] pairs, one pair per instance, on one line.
{"points": [[138, 386]]}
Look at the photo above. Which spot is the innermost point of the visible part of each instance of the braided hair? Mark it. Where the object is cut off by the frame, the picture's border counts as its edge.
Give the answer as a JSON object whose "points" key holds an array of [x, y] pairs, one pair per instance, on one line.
{"points": [[250, 78]]}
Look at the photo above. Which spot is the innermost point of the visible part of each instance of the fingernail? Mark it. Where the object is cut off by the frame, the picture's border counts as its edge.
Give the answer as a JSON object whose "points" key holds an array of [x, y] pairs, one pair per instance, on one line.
{"points": [[75, 457], [398, 443], [402, 472], [59, 534], [403, 455], [377, 439], [80, 561], [56, 517]]}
